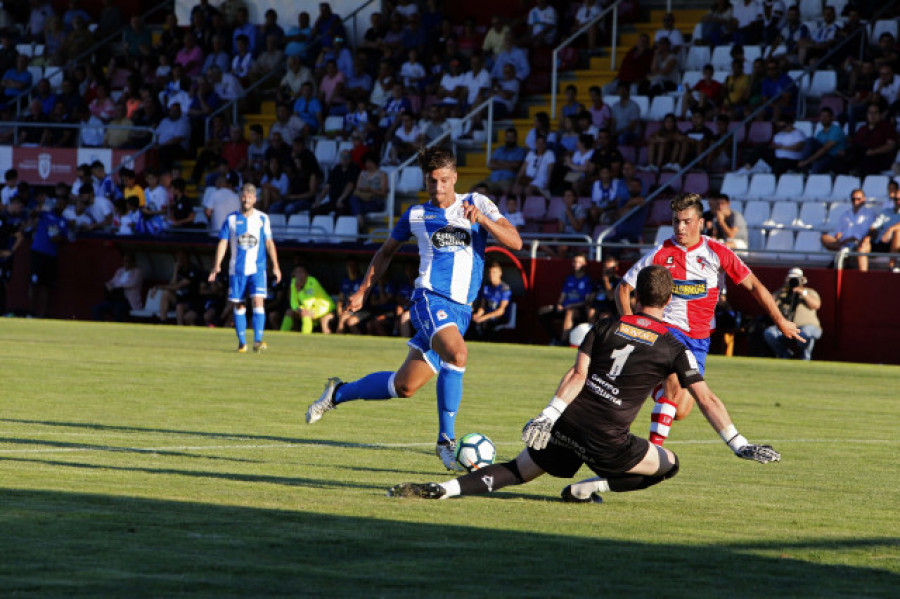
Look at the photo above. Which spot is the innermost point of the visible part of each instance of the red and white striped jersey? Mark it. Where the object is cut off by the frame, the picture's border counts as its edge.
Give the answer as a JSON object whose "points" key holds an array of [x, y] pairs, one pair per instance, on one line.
{"points": [[698, 273]]}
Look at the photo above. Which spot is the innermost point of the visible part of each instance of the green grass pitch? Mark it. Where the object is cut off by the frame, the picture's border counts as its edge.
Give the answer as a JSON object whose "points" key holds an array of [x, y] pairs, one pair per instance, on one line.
{"points": [[149, 461]]}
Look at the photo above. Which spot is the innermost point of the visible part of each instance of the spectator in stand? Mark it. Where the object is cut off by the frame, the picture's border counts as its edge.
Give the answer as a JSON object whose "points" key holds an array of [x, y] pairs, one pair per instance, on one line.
{"points": [[122, 292], [632, 229], [291, 84], [243, 27], [406, 140], [371, 189], [705, 96], [822, 39], [303, 186], [853, 225], [787, 144], [533, 177], [718, 23], [541, 127], [578, 164], [273, 189], [574, 217], [571, 306], [414, 36], [269, 59], [602, 302], [772, 18], [8, 52], [137, 39], [406, 9], [182, 216], [182, 291], [874, 144], [606, 195], [601, 113], [542, 22], [511, 54], [778, 84], [16, 79], [74, 11], [327, 26], [725, 224], [221, 202], [54, 40], [110, 20], [225, 84], [309, 109], [173, 135], [190, 57], [719, 159], [512, 212], [799, 304], [217, 56], [298, 38], [79, 40], [884, 235], [242, 59], [736, 91], [635, 68], [669, 32], [270, 27], [505, 163], [587, 12], [256, 149], [310, 304], [606, 154], [32, 134], [696, 139], [506, 93], [886, 88], [493, 38], [278, 149], [664, 75], [477, 81], [452, 89], [824, 152], [492, 305], [794, 33], [626, 117], [335, 194], [571, 106], [748, 16], [664, 146]]}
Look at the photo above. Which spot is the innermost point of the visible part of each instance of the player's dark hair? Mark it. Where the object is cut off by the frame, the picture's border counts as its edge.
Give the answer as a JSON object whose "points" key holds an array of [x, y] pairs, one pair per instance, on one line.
{"points": [[654, 286], [683, 201], [433, 158]]}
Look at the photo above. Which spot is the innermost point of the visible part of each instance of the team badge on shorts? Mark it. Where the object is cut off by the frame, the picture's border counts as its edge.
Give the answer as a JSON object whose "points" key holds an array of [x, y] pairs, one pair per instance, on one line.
{"points": [[441, 315]]}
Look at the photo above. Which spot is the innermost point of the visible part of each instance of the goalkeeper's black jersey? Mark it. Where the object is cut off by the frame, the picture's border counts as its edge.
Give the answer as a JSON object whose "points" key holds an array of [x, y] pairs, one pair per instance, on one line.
{"points": [[629, 355]]}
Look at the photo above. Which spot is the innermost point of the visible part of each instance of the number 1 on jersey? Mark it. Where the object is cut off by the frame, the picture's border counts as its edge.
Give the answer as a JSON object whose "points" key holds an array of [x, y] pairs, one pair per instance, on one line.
{"points": [[619, 356]]}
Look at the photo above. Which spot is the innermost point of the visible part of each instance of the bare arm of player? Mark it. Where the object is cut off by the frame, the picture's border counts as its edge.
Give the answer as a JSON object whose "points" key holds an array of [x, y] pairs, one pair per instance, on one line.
{"points": [[711, 406], [765, 299], [380, 262], [623, 298], [573, 381], [217, 263], [502, 230], [273, 255]]}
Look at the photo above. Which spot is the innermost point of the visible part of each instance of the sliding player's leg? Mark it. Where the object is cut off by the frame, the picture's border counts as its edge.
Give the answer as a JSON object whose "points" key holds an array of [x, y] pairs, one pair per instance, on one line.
{"points": [[657, 465]]}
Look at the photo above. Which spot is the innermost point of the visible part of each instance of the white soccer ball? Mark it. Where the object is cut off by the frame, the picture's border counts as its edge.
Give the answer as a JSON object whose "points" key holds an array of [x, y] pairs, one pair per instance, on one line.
{"points": [[578, 333], [475, 451]]}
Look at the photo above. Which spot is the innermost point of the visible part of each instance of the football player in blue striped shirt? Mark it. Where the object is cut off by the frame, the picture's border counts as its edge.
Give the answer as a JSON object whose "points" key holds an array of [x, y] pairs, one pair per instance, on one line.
{"points": [[451, 231], [249, 236]]}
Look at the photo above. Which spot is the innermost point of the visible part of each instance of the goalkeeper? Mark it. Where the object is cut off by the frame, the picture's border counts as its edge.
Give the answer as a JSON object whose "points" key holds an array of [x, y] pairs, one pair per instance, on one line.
{"points": [[588, 420], [309, 304]]}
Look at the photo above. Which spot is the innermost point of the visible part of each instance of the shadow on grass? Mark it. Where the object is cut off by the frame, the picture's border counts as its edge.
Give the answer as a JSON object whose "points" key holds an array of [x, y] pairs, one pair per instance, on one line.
{"points": [[68, 544]]}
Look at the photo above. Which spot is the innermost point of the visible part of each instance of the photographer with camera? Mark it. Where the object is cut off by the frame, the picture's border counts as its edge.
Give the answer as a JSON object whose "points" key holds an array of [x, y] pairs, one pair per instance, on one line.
{"points": [[798, 303]]}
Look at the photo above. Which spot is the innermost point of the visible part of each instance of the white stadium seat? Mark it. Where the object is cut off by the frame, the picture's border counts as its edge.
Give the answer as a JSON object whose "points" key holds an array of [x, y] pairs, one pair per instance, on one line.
{"points": [[756, 212], [875, 186], [321, 228], [663, 233], [298, 227], [780, 240], [843, 186], [762, 185], [697, 57], [660, 107], [818, 187], [811, 242], [812, 215], [790, 185], [326, 153], [410, 180], [346, 229], [784, 213], [735, 185]]}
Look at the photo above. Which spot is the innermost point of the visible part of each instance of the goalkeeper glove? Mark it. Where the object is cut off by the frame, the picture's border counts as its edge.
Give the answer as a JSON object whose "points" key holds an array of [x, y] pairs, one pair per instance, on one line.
{"points": [[536, 433], [746, 450]]}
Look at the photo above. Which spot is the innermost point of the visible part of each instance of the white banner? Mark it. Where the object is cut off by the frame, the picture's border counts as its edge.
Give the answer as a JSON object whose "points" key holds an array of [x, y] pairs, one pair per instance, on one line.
{"points": [[89, 155]]}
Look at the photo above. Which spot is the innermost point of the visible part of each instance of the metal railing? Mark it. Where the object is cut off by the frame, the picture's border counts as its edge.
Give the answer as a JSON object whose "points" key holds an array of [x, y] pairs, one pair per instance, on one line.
{"points": [[278, 70], [730, 135], [16, 125], [97, 45], [395, 174], [353, 16], [554, 73]]}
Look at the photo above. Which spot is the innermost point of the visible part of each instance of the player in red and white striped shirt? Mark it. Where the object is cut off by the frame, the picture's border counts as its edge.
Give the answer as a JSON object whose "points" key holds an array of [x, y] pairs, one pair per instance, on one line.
{"points": [[699, 266]]}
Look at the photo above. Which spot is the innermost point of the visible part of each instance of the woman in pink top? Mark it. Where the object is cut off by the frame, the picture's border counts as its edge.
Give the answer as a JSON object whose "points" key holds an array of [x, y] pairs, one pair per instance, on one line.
{"points": [[331, 88], [190, 56], [102, 105]]}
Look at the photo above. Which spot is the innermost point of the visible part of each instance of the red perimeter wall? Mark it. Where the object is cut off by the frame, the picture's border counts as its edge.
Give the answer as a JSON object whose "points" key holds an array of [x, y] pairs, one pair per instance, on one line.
{"points": [[859, 313]]}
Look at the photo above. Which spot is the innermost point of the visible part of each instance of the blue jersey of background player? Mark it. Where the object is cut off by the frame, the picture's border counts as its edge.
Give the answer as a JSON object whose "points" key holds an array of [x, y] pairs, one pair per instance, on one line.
{"points": [[249, 237], [451, 232]]}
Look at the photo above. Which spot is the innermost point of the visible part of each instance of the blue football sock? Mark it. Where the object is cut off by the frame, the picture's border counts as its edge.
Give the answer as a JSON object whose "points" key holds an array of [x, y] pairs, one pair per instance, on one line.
{"points": [[259, 323], [449, 396], [378, 385], [240, 324]]}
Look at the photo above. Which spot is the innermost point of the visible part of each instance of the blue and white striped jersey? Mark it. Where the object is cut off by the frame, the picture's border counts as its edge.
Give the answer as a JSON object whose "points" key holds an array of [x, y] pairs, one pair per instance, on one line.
{"points": [[247, 237], [451, 249]]}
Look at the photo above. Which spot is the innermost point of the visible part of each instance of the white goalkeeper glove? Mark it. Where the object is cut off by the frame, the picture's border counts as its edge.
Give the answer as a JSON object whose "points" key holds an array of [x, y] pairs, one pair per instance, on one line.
{"points": [[536, 433], [746, 450]]}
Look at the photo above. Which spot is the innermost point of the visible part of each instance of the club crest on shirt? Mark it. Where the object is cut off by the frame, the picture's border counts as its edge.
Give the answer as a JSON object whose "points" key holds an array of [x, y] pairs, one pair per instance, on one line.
{"points": [[703, 262], [247, 241], [451, 238]]}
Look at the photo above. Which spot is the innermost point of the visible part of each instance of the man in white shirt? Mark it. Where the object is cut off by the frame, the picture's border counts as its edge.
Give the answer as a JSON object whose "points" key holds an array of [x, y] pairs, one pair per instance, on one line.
{"points": [[676, 40], [788, 145], [888, 84], [542, 21], [748, 16], [476, 80], [225, 84], [534, 174], [220, 202], [453, 88], [853, 225]]}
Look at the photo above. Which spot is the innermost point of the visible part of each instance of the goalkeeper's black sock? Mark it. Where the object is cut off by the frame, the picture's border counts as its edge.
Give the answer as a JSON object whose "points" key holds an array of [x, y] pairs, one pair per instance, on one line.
{"points": [[485, 480]]}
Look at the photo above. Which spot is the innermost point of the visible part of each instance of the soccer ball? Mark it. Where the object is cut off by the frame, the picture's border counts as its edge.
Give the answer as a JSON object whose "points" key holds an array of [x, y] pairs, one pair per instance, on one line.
{"points": [[475, 451]]}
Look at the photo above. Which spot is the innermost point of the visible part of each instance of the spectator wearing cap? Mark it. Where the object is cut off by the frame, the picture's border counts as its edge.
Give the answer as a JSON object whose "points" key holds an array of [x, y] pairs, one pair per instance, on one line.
{"points": [[799, 303]]}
